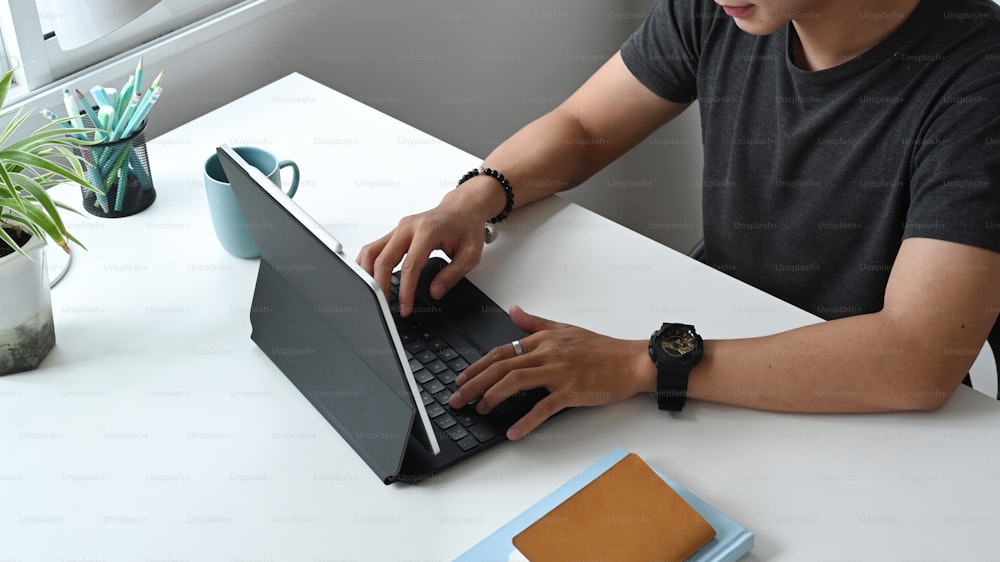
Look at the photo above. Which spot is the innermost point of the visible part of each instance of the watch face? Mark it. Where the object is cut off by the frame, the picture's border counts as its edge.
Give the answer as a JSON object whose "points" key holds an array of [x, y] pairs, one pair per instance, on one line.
{"points": [[678, 346], [675, 343]]}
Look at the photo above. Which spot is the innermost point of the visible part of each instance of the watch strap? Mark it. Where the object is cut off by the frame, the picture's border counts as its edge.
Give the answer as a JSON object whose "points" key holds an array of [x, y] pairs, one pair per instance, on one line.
{"points": [[671, 388]]}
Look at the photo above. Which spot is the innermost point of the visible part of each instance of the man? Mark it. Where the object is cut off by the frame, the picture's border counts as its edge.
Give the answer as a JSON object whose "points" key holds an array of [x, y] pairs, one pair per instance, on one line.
{"points": [[865, 134]]}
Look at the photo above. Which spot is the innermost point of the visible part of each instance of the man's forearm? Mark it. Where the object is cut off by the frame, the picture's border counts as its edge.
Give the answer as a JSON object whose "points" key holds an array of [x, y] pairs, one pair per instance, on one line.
{"points": [[940, 304], [548, 155], [564, 147], [858, 364]]}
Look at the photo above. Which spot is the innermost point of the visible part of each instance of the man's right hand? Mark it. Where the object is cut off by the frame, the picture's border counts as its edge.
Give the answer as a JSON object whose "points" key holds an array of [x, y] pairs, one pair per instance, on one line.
{"points": [[450, 227]]}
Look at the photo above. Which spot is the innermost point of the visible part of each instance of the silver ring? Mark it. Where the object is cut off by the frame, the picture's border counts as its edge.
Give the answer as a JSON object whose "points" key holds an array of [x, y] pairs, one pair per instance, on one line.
{"points": [[518, 350]]}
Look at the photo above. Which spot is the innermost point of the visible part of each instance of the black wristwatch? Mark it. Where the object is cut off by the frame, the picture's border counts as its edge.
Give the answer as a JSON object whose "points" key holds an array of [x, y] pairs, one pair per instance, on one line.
{"points": [[675, 349]]}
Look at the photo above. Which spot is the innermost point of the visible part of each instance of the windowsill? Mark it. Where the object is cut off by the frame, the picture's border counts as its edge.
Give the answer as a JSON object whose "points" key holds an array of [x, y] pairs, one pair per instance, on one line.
{"points": [[16, 93]]}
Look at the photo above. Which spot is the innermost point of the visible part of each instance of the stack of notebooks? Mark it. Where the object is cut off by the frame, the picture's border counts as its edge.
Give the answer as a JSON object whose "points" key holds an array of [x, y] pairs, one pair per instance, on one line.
{"points": [[618, 509]]}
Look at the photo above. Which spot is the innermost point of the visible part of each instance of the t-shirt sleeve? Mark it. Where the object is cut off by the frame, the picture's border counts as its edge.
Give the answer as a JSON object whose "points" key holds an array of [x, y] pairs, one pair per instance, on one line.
{"points": [[663, 53], [955, 186]]}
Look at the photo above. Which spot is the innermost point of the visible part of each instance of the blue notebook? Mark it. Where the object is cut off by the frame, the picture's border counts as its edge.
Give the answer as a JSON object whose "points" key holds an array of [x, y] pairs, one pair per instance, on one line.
{"points": [[731, 541]]}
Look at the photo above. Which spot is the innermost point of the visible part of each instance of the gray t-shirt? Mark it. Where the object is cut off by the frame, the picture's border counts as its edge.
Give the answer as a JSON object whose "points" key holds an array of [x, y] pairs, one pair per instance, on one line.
{"points": [[813, 179]]}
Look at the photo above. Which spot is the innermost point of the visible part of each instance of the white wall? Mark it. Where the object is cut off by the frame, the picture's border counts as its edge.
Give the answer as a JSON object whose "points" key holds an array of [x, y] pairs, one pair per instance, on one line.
{"points": [[470, 72]]}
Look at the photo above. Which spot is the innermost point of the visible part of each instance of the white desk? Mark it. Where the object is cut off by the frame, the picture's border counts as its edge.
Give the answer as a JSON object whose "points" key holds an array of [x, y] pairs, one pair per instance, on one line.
{"points": [[156, 430]]}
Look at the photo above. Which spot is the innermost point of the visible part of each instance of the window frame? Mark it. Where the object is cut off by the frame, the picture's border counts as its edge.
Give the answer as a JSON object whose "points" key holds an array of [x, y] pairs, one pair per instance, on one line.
{"points": [[40, 62]]}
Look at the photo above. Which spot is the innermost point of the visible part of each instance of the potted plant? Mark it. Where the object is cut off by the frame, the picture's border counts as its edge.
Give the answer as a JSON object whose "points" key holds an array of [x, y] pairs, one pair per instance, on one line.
{"points": [[29, 164]]}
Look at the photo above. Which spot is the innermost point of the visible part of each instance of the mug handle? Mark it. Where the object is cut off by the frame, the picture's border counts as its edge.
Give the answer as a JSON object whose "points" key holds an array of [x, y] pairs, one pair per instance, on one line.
{"points": [[294, 186]]}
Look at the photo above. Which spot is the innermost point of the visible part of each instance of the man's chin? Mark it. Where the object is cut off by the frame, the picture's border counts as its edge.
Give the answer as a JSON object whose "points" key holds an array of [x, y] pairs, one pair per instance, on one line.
{"points": [[757, 27]]}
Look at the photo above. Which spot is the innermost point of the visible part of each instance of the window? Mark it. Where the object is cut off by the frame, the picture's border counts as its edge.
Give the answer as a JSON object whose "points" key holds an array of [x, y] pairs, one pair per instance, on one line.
{"points": [[30, 45]]}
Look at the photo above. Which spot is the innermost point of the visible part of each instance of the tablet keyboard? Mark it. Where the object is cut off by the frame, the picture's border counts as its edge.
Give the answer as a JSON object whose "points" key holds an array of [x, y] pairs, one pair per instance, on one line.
{"points": [[435, 364]]}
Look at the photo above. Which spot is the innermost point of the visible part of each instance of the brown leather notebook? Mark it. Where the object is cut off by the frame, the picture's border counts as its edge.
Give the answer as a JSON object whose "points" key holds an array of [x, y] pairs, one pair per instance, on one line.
{"points": [[628, 513]]}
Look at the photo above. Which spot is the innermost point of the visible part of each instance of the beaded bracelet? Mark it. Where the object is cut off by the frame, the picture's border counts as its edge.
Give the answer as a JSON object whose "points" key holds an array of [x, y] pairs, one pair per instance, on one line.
{"points": [[508, 190]]}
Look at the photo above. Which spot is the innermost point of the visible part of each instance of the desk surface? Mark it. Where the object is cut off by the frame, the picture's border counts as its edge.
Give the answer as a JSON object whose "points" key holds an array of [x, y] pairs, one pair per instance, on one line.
{"points": [[156, 430]]}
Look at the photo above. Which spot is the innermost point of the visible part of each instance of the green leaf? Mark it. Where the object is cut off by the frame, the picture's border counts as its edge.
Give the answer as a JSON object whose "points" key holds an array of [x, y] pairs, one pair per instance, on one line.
{"points": [[19, 118], [5, 82], [33, 161], [12, 196], [40, 196], [42, 221], [26, 224], [43, 138], [77, 164], [66, 207], [73, 239], [9, 202]]}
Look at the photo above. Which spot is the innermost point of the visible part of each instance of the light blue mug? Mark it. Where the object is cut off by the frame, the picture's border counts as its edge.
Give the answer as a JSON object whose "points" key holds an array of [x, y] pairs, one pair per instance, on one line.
{"points": [[230, 224]]}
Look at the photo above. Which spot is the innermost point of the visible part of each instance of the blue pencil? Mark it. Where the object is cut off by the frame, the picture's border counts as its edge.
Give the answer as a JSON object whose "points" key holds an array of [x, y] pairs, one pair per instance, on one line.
{"points": [[126, 95], [138, 75], [125, 118], [86, 108], [144, 106]]}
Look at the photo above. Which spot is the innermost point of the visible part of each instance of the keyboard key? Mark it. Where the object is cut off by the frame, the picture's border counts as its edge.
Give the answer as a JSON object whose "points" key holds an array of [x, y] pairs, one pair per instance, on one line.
{"points": [[457, 432], [458, 365], [443, 396], [435, 410], [436, 345], [445, 421], [436, 366], [434, 386], [416, 366], [467, 443], [482, 432], [427, 335], [426, 356], [426, 398], [447, 376], [395, 280], [423, 376], [466, 419], [446, 354], [415, 346]]}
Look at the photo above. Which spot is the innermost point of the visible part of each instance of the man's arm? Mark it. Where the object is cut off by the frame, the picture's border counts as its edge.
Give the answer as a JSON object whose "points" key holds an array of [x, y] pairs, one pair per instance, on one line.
{"points": [[941, 302], [607, 116], [603, 119]]}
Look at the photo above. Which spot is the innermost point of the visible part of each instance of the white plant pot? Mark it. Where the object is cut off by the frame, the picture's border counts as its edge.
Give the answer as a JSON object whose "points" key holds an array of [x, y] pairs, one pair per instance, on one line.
{"points": [[26, 330]]}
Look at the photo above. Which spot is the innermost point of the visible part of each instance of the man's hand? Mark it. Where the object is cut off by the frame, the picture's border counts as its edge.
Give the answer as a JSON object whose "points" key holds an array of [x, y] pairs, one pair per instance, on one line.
{"points": [[447, 227], [576, 366]]}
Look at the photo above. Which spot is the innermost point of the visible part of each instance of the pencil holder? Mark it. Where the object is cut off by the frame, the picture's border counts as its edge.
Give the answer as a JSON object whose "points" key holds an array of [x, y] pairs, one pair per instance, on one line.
{"points": [[120, 170]]}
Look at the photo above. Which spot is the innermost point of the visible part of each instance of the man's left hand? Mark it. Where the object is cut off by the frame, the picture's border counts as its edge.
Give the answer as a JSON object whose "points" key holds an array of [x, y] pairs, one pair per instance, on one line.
{"points": [[576, 366]]}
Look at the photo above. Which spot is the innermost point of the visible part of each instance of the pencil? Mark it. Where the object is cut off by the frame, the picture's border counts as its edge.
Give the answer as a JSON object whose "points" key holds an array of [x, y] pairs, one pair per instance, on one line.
{"points": [[138, 75], [156, 81], [86, 107]]}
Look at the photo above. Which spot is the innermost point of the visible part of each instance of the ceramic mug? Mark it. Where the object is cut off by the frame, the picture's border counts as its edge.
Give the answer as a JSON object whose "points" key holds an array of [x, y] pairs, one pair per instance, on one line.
{"points": [[230, 224]]}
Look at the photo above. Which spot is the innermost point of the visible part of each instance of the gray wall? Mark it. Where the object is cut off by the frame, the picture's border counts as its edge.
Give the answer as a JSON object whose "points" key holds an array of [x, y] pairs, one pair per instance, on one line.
{"points": [[470, 72]]}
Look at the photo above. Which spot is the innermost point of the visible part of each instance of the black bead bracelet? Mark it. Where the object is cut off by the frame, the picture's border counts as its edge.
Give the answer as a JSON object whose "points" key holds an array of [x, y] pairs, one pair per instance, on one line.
{"points": [[508, 190]]}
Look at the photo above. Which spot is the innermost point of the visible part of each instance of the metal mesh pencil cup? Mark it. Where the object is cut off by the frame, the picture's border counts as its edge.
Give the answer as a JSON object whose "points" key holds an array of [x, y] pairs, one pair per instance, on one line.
{"points": [[120, 170]]}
